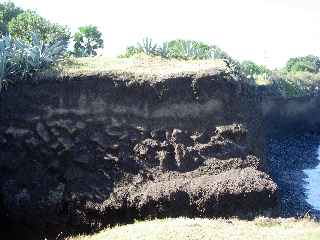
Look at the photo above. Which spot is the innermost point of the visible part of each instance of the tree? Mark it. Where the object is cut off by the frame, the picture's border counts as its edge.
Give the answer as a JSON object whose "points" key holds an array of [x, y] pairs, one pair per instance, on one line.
{"points": [[87, 41], [29, 22], [308, 63], [8, 11]]}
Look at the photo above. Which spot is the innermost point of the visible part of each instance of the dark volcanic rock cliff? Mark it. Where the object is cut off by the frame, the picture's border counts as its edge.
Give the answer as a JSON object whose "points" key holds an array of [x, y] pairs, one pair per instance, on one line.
{"points": [[79, 154]]}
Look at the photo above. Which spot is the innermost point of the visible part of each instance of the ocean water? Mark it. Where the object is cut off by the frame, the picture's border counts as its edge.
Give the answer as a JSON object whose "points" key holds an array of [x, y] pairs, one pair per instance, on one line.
{"points": [[313, 185]]}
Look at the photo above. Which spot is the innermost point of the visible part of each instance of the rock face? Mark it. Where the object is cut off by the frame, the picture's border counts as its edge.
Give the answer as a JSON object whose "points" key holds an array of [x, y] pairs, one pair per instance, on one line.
{"points": [[298, 114], [80, 154]]}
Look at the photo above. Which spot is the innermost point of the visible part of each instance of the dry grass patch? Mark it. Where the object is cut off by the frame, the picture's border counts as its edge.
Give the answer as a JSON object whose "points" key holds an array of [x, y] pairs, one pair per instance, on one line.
{"points": [[212, 229], [140, 67]]}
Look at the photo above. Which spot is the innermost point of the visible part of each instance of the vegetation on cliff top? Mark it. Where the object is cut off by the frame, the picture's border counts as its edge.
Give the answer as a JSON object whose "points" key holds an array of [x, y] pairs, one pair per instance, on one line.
{"points": [[218, 229], [141, 66], [22, 60], [300, 76]]}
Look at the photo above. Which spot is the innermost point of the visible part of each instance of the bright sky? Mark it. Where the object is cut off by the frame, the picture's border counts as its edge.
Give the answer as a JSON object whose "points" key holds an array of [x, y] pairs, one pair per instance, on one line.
{"points": [[265, 31]]}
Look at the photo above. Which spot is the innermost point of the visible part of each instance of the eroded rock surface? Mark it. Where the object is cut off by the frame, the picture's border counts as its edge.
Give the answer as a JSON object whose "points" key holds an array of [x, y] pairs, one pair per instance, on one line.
{"points": [[80, 155], [222, 184]]}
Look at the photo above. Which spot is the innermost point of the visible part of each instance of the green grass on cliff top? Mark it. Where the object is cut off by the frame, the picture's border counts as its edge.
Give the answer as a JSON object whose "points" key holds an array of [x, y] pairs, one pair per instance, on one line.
{"points": [[212, 229], [140, 67]]}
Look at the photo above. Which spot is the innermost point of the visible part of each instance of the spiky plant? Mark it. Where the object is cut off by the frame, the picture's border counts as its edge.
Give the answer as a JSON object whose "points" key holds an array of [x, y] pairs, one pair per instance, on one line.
{"points": [[163, 50], [40, 55], [31, 58], [5, 54], [188, 50], [19, 60], [147, 46], [3, 64]]}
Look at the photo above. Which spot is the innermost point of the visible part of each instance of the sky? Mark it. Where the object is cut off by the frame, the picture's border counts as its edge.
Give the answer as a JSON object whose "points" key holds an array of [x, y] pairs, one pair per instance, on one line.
{"points": [[265, 31]]}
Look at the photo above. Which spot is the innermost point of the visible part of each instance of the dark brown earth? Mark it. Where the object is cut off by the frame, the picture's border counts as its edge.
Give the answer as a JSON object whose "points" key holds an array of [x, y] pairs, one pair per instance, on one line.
{"points": [[214, 178], [78, 155]]}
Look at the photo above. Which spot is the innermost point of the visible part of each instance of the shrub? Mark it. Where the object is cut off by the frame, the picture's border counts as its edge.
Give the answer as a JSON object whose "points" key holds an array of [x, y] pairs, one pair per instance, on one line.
{"points": [[146, 46], [130, 51], [295, 84], [252, 70], [257, 74], [187, 49], [29, 22], [8, 11], [184, 50], [308, 63], [177, 49]]}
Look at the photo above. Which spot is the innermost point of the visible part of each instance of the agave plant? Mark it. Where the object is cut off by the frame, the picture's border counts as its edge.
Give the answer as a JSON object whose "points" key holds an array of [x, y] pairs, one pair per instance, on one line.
{"points": [[3, 64], [202, 51], [39, 55], [19, 60], [5, 54], [188, 51], [30, 58], [147, 46], [163, 50]]}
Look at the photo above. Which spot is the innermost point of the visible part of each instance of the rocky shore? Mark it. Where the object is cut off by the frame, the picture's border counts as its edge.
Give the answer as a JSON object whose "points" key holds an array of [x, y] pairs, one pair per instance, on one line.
{"points": [[288, 155]]}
